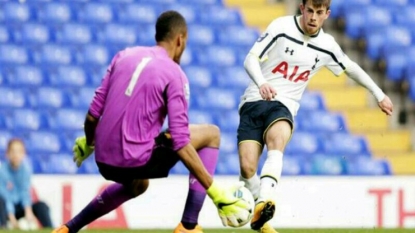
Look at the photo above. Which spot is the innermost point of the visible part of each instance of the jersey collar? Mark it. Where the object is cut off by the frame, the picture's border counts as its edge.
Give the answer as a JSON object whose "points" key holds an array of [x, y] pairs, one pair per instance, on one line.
{"points": [[162, 50], [301, 30]]}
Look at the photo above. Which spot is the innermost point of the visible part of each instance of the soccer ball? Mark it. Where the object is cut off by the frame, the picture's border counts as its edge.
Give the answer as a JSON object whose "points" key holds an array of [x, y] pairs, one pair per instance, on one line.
{"points": [[244, 216]]}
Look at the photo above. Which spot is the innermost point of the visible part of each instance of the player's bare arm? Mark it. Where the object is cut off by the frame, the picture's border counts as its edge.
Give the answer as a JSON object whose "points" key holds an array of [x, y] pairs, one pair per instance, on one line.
{"points": [[191, 160], [89, 128], [201, 136], [84, 146], [180, 133]]}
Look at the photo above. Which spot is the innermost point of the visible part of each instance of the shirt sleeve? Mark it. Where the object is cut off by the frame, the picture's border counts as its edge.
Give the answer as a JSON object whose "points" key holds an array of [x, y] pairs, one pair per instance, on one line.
{"points": [[355, 72], [338, 59], [24, 186], [98, 101], [177, 111], [267, 40], [4, 192]]}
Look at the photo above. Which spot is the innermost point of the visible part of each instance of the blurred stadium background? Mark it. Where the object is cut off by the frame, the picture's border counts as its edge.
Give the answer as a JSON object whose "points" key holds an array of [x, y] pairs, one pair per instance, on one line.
{"points": [[53, 54]]}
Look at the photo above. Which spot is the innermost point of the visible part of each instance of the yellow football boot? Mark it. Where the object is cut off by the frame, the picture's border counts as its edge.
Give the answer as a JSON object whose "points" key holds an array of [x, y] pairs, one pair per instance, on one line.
{"points": [[180, 229], [61, 229], [267, 228], [264, 211]]}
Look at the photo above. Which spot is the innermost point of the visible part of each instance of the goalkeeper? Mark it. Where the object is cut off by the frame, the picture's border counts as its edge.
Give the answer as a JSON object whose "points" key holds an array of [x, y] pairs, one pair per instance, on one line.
{"points": [[142, 86]]}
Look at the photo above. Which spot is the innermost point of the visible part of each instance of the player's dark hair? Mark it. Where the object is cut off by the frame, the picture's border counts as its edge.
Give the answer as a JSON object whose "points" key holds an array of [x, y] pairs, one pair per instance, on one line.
{"points": [[319, 3], [12, 141], [169, 24]]}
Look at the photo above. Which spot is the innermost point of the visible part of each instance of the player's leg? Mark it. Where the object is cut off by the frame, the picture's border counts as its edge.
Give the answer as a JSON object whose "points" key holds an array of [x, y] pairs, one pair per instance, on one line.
{"points": [[251, 140], [249, 153], [250, 144], [3, 213], [42, 213], [205, 139], [276, 135], [19, 211], [276, 138], [112, 197]]}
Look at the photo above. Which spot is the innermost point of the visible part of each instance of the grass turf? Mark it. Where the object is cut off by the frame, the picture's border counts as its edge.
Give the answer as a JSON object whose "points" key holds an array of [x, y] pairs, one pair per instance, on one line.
{"points": [[233, 231]]}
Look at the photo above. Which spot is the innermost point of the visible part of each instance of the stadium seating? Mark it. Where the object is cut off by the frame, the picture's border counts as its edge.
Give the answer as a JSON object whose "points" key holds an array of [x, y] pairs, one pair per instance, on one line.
{"points": [[32, 33], [365, 166], [304, 143], [73, 33], [5, 136], [25, 75], [4, 34], [53, 54], [13, 12], [325, 165], [27, 119], [13, 54], [12, 98], [50, 97], [321, 121], [388, 27]]}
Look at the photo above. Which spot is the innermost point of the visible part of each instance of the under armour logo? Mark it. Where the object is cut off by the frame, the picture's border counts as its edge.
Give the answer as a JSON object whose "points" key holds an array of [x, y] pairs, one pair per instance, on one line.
{"points": [[316, 61], [192, 180], [287, 50], [99, 199], [262, 37]]}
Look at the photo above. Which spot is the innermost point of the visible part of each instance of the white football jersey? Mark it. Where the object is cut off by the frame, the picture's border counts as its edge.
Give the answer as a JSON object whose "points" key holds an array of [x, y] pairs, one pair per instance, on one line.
{"points": [[289, 59]]}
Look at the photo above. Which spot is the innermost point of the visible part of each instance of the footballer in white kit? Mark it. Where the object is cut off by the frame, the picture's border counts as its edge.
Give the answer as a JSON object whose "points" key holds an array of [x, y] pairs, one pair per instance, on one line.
{"points": [[281, 63]]}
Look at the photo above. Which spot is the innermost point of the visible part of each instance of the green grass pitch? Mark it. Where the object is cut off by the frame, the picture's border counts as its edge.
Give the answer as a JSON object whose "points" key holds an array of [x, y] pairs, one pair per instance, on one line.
{"points": [[236, 231]]}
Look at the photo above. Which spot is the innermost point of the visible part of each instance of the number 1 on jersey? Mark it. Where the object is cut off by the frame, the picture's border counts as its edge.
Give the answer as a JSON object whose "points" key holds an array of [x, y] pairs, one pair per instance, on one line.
{"points": [[136, 75]]}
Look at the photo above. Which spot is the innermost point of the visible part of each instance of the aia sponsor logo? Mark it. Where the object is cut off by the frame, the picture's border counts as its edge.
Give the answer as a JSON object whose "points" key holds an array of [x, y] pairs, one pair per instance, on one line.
{"points": [[294, 76]]}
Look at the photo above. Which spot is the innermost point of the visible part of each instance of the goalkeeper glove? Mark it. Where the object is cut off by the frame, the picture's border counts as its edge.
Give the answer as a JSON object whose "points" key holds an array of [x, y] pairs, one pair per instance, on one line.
{"points": [[228, 205], [81, 150]]}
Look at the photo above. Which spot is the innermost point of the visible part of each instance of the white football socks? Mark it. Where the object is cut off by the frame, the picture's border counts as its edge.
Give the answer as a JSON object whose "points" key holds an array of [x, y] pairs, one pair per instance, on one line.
{"points": [[270, 175], [252, 184]]}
